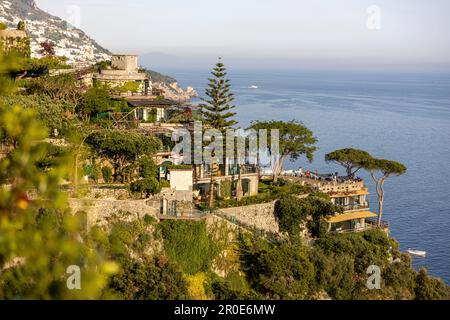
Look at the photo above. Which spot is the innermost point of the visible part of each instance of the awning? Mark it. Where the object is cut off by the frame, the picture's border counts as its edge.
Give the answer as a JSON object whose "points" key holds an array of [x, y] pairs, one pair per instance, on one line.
{"points": [[351, 216], [350, 194]]}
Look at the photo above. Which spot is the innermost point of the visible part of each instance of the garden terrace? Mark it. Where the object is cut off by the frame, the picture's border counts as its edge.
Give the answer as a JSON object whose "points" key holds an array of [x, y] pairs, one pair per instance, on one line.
{"points": [[326, 184]]}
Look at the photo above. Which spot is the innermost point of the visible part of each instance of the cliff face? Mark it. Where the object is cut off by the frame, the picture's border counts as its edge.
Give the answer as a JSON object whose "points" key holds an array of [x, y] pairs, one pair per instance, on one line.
{"points": [[71, 42]]}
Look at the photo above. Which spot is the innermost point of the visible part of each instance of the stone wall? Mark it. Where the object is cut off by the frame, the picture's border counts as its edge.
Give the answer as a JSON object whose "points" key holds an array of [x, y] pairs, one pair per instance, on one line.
{"points": [[15, 40], [261, 216], [99, 210], [103, 192]]}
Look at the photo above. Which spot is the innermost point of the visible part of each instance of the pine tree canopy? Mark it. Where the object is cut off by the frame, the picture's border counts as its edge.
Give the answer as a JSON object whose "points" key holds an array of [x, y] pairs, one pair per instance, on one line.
{"points": [[216, 109]]}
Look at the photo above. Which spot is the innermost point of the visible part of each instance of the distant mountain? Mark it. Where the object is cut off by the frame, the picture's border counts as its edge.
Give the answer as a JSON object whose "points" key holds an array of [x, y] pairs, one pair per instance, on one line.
{"points": [[41, 26]]}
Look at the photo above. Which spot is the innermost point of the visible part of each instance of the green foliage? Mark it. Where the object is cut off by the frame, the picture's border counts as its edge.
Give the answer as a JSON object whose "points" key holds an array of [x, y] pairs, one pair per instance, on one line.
{"points": [[144, 274], [55, 156], [151, 279], [96, 172], [334, 274], [8, 64], [293, 212], [268, 193], [225, 189], [367, 248], [189, 244], [295, 140], [351, 159], [386, 167], [21, 26], [39, 239], [39, 66], [216, 108], [279, 271], [62, 87], [158, 77], [103, 65], [428, 288], [121, 147], [107, 174], [54, 114], [95, 100], [164, 183], [148, 168], [146, 187], [130, 86], [180, 166], [3, 26], [399, 278]]}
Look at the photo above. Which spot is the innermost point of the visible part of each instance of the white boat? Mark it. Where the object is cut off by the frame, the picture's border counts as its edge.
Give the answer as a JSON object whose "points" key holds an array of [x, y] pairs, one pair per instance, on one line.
{"points": [[253, 87], [418, 253]]}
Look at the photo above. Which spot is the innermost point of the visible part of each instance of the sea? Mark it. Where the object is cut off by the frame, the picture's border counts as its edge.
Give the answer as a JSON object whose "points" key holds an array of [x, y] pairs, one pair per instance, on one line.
{"points": [[402, 116]]}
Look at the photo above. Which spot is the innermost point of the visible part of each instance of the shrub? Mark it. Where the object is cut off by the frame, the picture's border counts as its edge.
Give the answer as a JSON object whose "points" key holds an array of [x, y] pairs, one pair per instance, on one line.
{"points": [[368, 248], [151, 279], [96, 172], [21, 26], [96, 100], [147, 168], [164, 183], [107, 174], [3, 26], [196, 286], [52, 113], [225, 189], [282, 271], [429, 288], [189, 244], [291, 212], [269, 193], [147, 187], [334, 274]]}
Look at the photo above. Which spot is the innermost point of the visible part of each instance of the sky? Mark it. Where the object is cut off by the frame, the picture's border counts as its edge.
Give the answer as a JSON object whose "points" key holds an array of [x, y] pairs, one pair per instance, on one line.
{"points": [[370, 34]]}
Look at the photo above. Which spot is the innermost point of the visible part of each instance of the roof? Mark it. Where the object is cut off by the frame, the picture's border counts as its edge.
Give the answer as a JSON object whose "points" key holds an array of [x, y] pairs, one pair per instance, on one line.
{"points": [[349, 194], [123, 55], [152, 102], [351, 216]]}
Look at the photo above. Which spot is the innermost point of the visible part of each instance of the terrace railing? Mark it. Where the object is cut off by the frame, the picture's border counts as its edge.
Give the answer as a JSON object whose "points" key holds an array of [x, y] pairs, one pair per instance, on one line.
{"points": [[356, 206]]}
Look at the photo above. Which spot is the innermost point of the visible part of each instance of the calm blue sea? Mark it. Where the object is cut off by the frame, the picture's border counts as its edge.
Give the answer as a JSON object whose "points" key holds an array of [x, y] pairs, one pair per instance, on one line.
{"points": [[398, 116]]}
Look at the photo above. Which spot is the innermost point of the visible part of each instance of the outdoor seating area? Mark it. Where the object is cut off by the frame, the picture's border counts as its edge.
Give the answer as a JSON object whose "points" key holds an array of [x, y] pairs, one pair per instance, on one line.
{"points": [[354, 222]]}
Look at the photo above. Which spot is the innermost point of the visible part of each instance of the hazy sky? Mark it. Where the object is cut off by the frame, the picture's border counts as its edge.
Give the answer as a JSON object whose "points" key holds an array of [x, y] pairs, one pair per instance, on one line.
{"points": [[270, 33]]}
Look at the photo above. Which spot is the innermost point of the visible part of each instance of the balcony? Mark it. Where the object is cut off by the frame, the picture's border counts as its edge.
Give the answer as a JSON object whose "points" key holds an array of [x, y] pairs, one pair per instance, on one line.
{"points": [[370, 224], [232, 172], [356, 206]]}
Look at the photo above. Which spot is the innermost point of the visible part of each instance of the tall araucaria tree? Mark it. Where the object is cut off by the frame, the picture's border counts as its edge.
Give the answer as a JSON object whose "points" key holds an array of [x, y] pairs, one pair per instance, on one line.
{"points": [[351, 159], [295, 140], [216, 111], [380, 170]]}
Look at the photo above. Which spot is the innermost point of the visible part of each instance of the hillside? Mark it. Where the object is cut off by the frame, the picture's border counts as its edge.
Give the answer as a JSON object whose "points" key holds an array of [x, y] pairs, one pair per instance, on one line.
{"points": [[73, 43], [41, 26]]}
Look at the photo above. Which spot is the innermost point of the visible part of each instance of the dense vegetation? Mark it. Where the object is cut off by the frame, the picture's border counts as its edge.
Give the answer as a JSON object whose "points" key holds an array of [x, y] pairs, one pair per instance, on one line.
{"points": [[132, 256]]}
